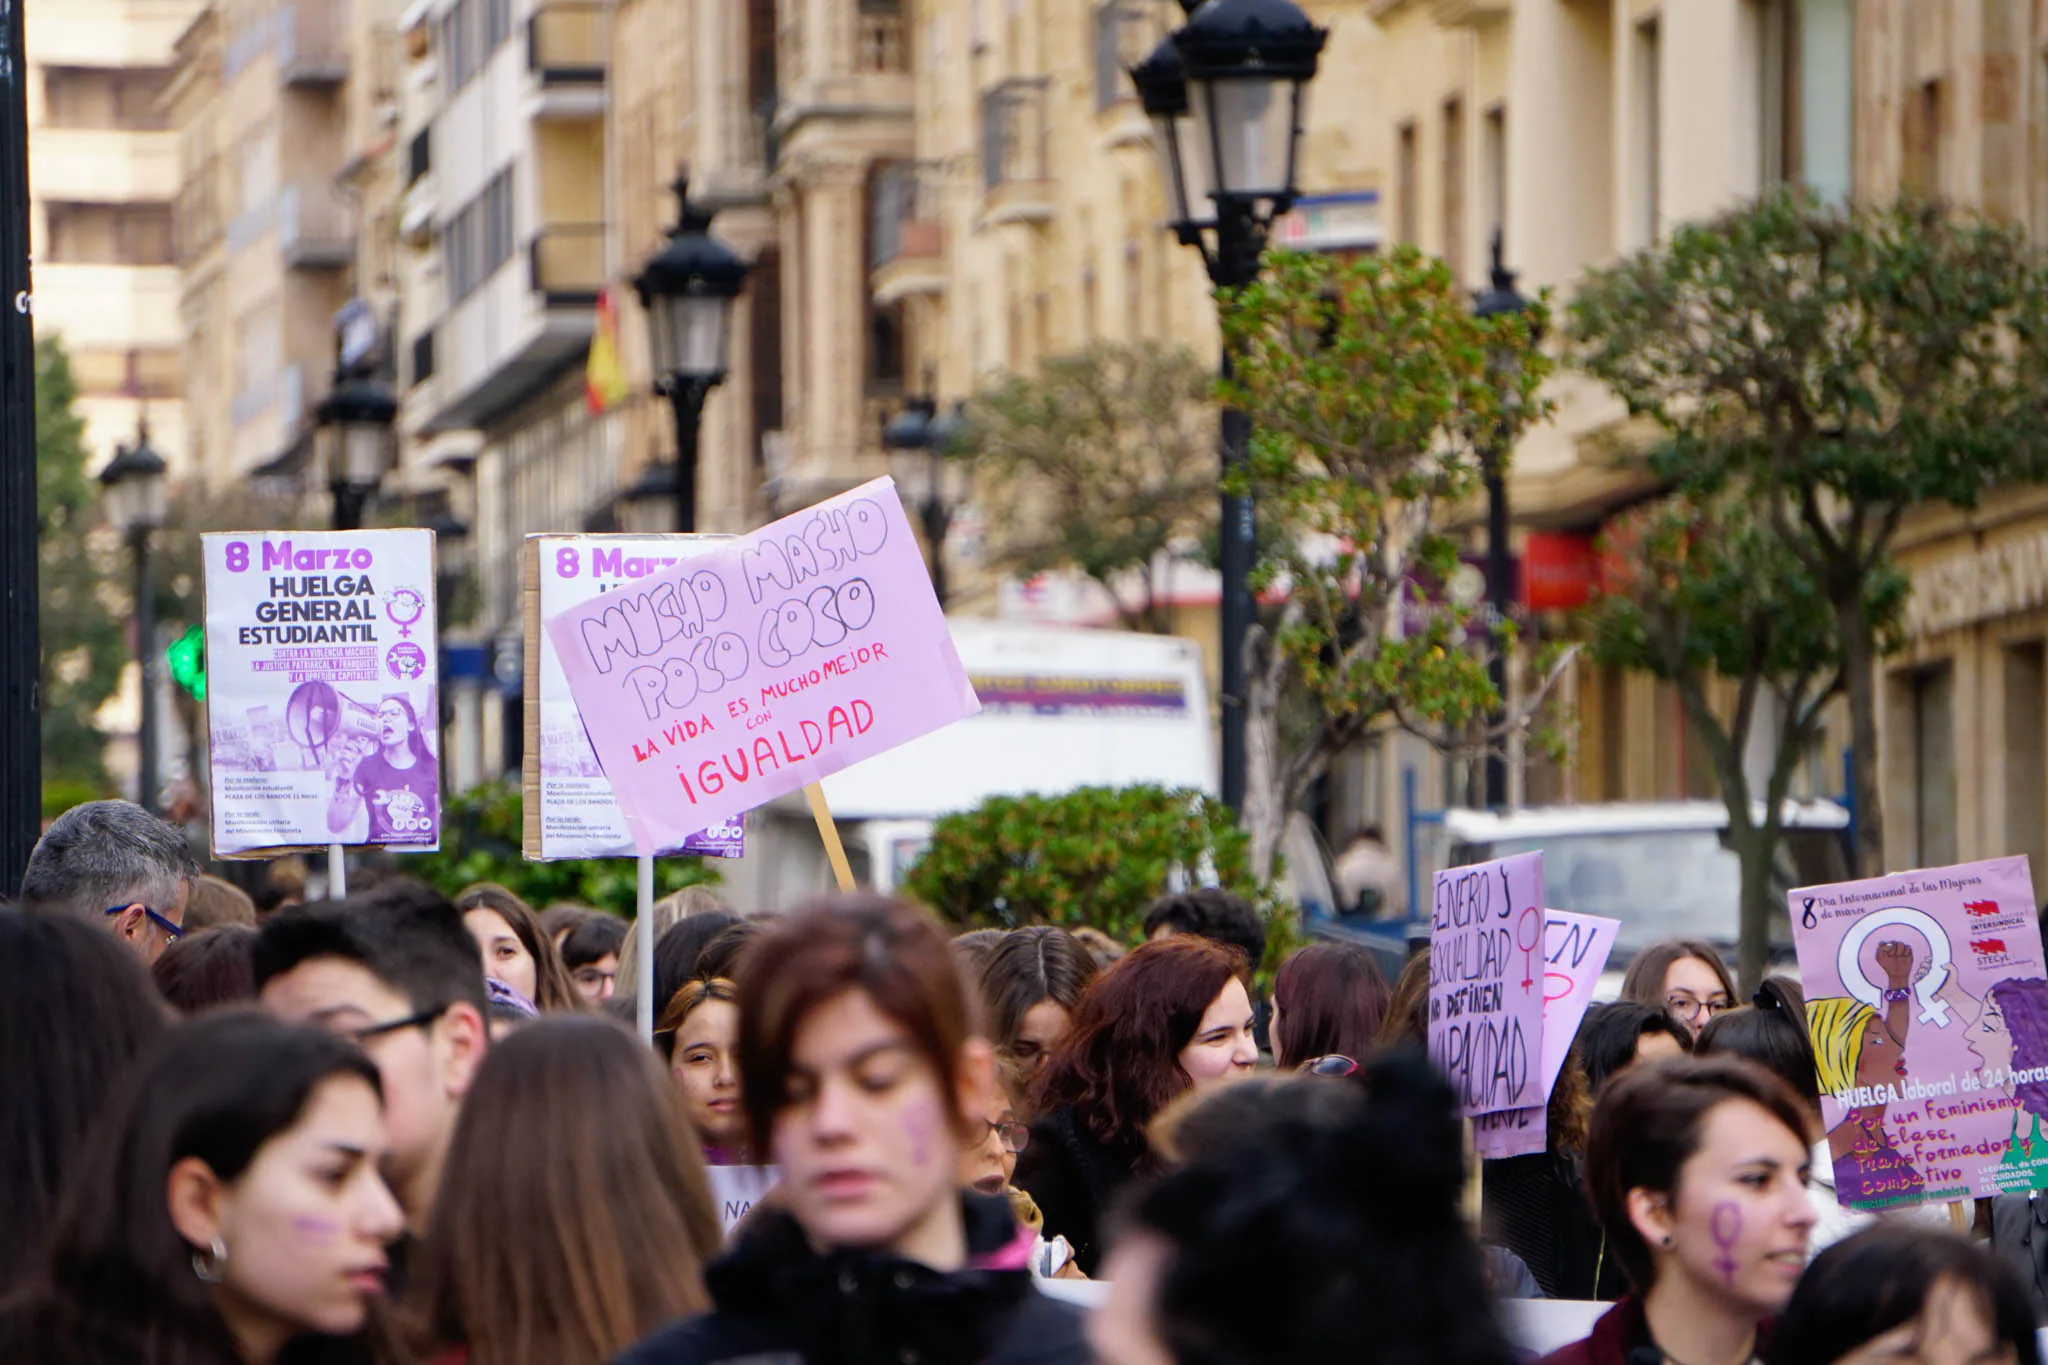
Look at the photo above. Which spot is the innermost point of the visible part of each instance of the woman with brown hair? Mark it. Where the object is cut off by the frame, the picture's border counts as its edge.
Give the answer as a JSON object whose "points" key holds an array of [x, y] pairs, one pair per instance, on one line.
{"points": [[699, 1033], [860, 1073], [1683, 977], [1032, 981], [516, 953], [1329, 999], [1174, 1016], [1696, 1169], [574, 1217]]}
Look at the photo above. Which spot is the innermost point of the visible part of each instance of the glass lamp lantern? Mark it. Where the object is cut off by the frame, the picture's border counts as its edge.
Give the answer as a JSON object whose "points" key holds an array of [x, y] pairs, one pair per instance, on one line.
{"points": [[1247, 64], [687, 290], [136, 488]]}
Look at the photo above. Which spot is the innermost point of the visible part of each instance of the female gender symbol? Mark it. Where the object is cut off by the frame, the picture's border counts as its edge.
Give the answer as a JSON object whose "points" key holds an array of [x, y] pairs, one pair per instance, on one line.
{"points": [[404, 600], [1531, 917], [1726, 1225]]}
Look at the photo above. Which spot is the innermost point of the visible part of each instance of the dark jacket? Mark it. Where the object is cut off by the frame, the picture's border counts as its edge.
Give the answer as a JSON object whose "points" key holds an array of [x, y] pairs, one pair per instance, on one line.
{"points": [[1073, 1176], [778, 1298], [2019, 1237], [1621, 1332], [1536, 1209]]}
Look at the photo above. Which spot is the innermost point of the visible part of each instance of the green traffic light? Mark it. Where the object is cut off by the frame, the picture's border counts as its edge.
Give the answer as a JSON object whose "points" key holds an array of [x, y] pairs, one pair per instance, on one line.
{"points": [[187, 658]]}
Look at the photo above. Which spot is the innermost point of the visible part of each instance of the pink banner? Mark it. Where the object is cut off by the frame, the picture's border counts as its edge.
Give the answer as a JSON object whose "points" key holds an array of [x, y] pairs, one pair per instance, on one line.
{"points": [[1575, 952], [1928, 1009], [1486, 971], [768, 663]]}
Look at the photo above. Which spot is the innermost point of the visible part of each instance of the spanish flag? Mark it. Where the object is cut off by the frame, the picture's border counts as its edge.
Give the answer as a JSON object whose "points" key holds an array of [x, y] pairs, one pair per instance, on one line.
{"points": [[604, 376]]}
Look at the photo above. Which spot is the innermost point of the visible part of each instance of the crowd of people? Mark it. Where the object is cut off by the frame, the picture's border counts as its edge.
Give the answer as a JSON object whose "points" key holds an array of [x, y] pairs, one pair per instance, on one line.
{"points": [[398, 1128]]}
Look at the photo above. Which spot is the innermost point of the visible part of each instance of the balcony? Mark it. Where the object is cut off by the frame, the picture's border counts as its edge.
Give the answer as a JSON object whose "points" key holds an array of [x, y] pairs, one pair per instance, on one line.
{"points": [[880, 47], [525, 324], [312, 43], [314, 228], [567, 261], [1016, 180], [565, 60], [906, 234], [854, 62]]}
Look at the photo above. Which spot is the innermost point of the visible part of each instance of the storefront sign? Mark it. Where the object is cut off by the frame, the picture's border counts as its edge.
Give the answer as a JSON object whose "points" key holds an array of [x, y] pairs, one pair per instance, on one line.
{"points": [[1560, 569], [322, 671], [2001, 578]]}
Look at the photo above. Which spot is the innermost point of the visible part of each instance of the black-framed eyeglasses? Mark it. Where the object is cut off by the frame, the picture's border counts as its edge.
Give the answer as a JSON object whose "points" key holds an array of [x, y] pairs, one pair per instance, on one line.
{"points": [[417, 1020], [1688, 1008], [1016, 1137], [1330, 1064], [173, 930]]}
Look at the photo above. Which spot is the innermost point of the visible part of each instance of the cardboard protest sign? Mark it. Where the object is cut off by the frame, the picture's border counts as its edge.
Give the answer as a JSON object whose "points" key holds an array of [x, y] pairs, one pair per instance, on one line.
{"points": [[1575, 952], [322, 703], [570, 811], [762, 665], [736, 1189], [1486, 974], [1928, 1009]]}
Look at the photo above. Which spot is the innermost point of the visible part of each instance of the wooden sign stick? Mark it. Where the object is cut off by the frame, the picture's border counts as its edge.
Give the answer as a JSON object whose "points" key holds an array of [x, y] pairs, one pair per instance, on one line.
{"points": [[842, 871]]}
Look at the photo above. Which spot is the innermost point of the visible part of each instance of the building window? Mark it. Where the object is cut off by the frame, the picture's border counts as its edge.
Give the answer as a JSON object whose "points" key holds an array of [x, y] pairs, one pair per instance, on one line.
{"points": [[1649, 90], [471, 31], [1404, 182], [1930, 759], [1454, 187], [1777, 91], [108, 234], [1920, 162], [479, 238], [122, 98], [2026, 753]]}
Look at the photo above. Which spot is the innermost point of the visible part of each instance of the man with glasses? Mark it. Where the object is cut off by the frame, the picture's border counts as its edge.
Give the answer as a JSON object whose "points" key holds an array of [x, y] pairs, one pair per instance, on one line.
{"points": [[114, 863], [396, 972]]}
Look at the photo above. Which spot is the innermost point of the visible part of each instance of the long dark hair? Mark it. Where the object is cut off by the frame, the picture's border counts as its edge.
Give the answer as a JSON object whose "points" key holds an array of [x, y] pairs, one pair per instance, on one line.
{"points": [[116, 1283], [76, 1007], [1329, 1218], [575, 1216], [553, 988], [1332, 998], [1041, 962], [1864, 1286], [416, 740], [1120, 1063], [1770, 1031]]}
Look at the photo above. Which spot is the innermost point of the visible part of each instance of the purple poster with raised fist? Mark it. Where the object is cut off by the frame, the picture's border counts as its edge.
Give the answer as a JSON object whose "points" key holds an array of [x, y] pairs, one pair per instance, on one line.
{"points": [[322, 675], [1928, 1009]]}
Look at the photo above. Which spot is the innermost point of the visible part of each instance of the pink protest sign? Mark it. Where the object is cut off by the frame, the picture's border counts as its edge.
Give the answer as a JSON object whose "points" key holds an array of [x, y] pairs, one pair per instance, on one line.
{"points": [[1575, 952], [761, 666], [1486, 971], [1928, 1008]]}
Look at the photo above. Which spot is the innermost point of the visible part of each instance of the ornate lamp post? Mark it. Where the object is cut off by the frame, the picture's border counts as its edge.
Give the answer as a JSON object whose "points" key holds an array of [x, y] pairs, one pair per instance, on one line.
{"points": [[1225, 95], [358, 441], [1500, 299], [687, 289], [930, 483], [133, 487]]}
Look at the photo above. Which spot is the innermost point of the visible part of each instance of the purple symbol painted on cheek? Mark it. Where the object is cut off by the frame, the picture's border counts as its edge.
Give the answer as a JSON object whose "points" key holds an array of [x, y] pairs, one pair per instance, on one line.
{"points": [[1726, 1226], [315, 1228], [919, 1125]]}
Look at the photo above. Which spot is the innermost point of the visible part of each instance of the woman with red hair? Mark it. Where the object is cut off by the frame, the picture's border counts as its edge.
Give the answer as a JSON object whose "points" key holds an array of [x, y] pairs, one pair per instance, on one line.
{"points": [[1174, 1016]]}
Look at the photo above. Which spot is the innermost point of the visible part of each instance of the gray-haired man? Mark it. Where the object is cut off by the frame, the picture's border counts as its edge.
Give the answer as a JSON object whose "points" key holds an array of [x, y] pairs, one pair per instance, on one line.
{"points": [[114, 862]]}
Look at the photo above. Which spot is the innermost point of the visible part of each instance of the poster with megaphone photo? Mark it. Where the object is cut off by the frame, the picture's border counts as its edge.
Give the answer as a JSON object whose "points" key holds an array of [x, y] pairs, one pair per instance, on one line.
{"points": [[323, 705]]}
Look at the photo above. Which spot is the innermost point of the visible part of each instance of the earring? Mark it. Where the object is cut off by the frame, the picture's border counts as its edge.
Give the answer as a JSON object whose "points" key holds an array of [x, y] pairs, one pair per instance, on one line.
{"points": [[209, 1264], [1666, 1242]]}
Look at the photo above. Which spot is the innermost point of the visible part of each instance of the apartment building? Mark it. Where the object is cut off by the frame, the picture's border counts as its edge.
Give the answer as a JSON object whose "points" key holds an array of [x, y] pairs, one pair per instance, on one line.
{"points": [[1952, 101], [277, 103], [102, 180]]}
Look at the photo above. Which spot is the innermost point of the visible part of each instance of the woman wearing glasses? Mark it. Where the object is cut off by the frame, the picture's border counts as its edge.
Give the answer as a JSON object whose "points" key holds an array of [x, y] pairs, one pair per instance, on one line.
{"points": [[1683, 977], [989, 1166]]}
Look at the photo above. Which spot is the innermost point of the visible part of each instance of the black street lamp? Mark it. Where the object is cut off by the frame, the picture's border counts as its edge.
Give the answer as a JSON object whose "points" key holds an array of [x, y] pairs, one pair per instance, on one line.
{"points": [[921, 427], [133, 488], [688, 288], [1500, 299], [358, 441], [1224, 94]]}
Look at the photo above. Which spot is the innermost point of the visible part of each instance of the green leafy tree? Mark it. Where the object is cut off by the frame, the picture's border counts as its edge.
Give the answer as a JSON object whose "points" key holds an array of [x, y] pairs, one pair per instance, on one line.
{"points": [[1703, 592], [1095, 856], [480, 842], [83, 603], [1843, 365], [1102, 462], [1374, 393]]}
